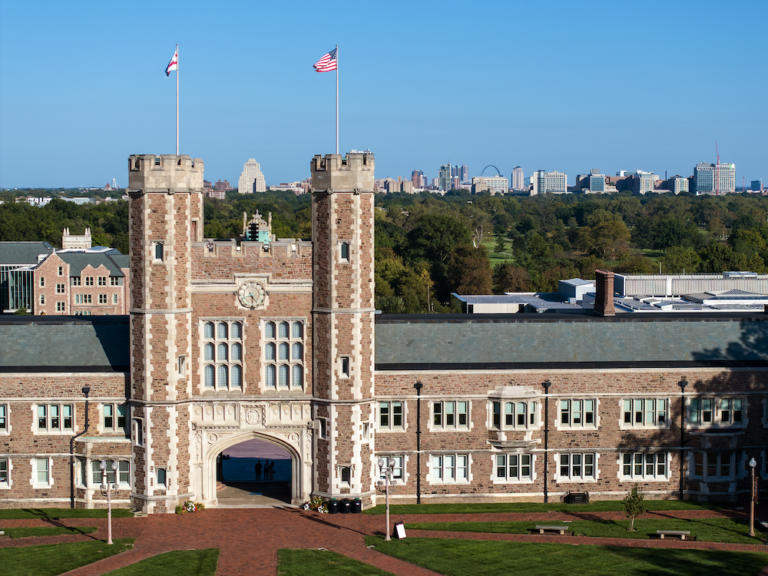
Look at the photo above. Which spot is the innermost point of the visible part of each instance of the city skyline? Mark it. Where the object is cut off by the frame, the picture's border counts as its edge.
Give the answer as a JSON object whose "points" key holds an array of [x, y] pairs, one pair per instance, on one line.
{"points": [[77, 83]]}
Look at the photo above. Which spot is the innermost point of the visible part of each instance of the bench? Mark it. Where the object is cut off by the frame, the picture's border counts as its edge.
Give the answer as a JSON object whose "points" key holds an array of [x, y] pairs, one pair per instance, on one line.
{"points": [[560, 529], [681, 533]]}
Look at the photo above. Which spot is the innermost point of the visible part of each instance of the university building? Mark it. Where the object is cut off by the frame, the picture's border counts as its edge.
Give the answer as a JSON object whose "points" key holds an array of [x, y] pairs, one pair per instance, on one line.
{"points": [[229, 341]]}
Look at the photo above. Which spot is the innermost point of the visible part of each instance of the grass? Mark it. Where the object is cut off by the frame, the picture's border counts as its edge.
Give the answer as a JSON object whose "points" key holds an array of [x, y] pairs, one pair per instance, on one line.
{"points": [[52, 531], [188, 562], [652, 254], [728, 530], [321, 563], [54, 513], [493, 558], [52, 559], [499, 507]]}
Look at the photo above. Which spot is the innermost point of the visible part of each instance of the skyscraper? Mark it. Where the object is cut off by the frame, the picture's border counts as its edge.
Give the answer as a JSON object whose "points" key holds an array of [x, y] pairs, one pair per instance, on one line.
{"points": [[444, 177], [251, 179], [417, 179], [464, 174], [711, 178], [554, 182], [518, 179]]}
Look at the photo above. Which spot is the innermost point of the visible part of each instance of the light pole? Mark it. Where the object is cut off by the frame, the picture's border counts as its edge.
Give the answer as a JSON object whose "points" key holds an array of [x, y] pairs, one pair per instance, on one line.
{"points": [[752, 465], [387, 472], [105, 485], [683, 383]]}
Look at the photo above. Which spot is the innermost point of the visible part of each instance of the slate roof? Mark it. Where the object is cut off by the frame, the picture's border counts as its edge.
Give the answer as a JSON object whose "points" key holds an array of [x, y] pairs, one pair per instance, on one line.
{"points": [[22, 252], [569, 341], [79, 260], [64, 344]]}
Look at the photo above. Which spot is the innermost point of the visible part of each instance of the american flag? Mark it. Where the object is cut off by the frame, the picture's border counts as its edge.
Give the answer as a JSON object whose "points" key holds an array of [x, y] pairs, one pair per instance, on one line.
{"points": [[327, 63]]}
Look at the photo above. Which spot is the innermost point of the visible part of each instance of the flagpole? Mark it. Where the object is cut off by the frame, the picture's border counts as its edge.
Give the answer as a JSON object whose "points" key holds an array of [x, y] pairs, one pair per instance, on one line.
{"points": [[337, 98], [177, 99]]}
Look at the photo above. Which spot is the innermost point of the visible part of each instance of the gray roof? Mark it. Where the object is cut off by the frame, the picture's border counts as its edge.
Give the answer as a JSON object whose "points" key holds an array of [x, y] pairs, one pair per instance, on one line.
{"points": [[79, 260], [64, 344], [121, 260], [495, 341], [22, 252]]}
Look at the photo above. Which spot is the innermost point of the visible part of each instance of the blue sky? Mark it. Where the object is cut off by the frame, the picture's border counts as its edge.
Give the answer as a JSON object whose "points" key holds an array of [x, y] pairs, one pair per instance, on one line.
{"points": [[563, 86]]}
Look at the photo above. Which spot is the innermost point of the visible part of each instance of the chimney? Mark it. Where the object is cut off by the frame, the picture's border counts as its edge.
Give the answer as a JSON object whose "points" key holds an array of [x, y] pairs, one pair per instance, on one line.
{"points": [[604, 296]]}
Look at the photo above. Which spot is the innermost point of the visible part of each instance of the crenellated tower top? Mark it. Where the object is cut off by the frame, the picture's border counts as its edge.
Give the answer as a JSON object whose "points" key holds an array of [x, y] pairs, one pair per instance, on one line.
{"points": [[165, 172], [336, 173]]}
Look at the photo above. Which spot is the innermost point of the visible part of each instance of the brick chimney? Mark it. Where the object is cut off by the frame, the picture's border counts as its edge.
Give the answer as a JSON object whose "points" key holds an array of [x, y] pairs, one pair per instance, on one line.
{"points": [[604, 296]]}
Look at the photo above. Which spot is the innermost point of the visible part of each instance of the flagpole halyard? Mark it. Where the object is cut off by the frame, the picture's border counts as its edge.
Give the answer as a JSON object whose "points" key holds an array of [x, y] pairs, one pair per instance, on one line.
{"points": [[337, 98]]}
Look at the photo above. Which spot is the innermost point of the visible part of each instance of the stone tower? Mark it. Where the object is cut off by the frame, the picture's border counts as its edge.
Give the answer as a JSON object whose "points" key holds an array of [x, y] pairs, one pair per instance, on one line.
{"points": [[343, 316], [165, 216]]}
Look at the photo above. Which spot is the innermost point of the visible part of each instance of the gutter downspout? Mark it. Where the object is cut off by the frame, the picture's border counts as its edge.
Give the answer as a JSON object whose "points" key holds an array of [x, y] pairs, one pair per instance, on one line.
{"points": [[546, 385], [86, 391], [683, 383], [418, 387]]}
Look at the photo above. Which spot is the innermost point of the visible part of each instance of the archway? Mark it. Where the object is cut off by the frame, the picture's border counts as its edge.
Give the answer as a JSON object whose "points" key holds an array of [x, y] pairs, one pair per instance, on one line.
{"points": [[234, 463]]}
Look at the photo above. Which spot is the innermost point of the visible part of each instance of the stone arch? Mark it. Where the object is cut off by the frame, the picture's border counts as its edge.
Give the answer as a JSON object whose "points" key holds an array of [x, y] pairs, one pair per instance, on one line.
{"points": [[299, 492]]}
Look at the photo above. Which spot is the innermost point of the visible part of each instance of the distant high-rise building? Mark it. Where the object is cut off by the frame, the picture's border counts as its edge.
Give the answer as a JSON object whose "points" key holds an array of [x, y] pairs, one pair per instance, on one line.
{"points": [[251, 179], [455, 181], [464, 174], [222, 186], [518, 179], [444, 177], [493, 184], [643, 182], [435, 183], [554, 182], [757, 185], [417, 179], [679, 184], [711, 178], [596, 181]]}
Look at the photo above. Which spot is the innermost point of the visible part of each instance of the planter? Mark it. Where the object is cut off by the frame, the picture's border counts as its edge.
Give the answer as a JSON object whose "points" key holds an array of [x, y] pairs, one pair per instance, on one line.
{"points": [[333, 507], [357, 507], [344, 506]]}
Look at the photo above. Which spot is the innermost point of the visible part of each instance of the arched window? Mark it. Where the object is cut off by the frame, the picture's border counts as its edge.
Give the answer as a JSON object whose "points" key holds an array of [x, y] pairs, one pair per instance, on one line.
{"points": [[298, 330], [208, 352], [283, 330], [297, 381], [270, 352], [345, 474], [270, 376], [269, 330], [161, 477], [237, 376], [283, 351], [208, 331], [283, 372], [297, 351], [237, 330], [222, 330], [223, 380], [209, 380], [237, 352], [222, 353]]}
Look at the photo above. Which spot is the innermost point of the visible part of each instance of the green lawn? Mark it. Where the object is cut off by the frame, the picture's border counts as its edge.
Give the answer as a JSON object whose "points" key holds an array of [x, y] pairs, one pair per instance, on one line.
{"points": [[52, 531], [321, 563], [186, 562], [48, 513], [498, 507], [52, 559], [491, 558], [729, 530]]}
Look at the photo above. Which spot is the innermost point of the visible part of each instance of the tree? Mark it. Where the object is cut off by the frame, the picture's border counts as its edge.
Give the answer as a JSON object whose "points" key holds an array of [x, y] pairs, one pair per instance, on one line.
{"points": [[500, 244], [634, 506], [509, 278], [469, 270], [610, 238], [435, 236], [678, 260]]}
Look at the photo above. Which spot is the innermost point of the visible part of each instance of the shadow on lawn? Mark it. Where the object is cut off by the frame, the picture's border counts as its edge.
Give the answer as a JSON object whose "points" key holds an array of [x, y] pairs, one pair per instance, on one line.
{"points": [[57, 523], [693, 562]]}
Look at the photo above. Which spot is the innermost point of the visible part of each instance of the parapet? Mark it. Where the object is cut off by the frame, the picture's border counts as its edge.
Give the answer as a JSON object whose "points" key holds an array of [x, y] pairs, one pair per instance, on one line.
{"points": [[166, 172], [353, 172]]}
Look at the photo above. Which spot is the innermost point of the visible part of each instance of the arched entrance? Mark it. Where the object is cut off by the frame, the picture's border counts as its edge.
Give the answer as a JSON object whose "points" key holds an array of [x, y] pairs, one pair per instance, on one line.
{"points": [[286, 485], [253, 472]]}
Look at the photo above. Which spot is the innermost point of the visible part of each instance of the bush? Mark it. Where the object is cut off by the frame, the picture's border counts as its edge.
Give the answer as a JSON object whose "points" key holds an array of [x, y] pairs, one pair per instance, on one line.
{"points": [[189, 507]]}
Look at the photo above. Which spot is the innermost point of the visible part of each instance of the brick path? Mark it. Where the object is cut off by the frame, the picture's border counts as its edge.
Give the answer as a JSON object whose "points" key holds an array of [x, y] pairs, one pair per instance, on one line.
{"points": [[250, 538]]}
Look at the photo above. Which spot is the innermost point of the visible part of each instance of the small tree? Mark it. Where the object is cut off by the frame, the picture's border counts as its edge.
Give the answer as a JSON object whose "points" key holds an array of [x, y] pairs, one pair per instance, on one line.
{"points": [[634, 506]]}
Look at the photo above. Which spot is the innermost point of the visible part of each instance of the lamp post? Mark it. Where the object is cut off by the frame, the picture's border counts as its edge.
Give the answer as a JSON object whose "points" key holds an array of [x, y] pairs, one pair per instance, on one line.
{"points": [[105, 485], [387, 472], [546, 384], [418, 387], [752, 465], [683, 383]]}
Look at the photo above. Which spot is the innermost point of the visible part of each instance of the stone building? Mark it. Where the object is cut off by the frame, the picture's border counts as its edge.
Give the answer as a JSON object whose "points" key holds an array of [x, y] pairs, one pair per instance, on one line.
{"points": [[251, 178], [73, 241], [229, 341]]}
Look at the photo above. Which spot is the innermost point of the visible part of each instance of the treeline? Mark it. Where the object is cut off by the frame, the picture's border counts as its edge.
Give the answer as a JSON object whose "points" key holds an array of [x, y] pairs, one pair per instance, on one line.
{"points": [[429, 246]]}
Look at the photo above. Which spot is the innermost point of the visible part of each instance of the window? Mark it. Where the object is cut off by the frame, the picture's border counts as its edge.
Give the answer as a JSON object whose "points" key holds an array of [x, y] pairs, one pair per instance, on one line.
{"points": [[42, 281], [714, 465], [645, 412], [4, 480], [222, 355], [323, 428], [60, 307], [102, 298], [60, 289], [42, 299], [138, 429], [577, 413], [102, 280], [76, 281], [450, 468], [390, 415], [577, 466], [284, 355], [42, 470], [344, 251], [114, 281], [513, 467], [122, 477], [89, 280], [114, 298], [158, 251], [3, 418], [114, 417], [366, 430], [61, 271], [344, 361], [397, 471], [182, 366], [449, 415], [645, 465], [161, 477], [717, 411], [54, 418], [83, 299], [515, 414], [345, 474]]}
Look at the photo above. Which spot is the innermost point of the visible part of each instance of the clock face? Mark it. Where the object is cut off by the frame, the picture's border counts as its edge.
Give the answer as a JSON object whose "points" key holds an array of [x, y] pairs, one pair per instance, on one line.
{"points": [[251, 295]]}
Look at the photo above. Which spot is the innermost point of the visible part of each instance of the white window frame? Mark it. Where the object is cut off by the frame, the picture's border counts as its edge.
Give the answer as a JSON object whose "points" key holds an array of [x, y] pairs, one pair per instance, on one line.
{"points": [[390, 415], [115, 407], [348, 258], [322, 428], [696, 412], [114, 298], [61, 307], [36, 484], [49, 419], [137, 431], [61, 288], [518, 460], [181, 366], [42, 299], [636, 466], [7, 463], [500, 420], [89, 280], [345, 366], [573, 410], [640, 406], [164, 483], [103, 299], [445, 407], [102, 281], [444, 473], [398, 475], [340, 469], [155, 245], [217, 363], [61, 270], [291, 362], [114, 281], [5, 419], [573, 477], [706, 457], [42, 281], [76, 281]]}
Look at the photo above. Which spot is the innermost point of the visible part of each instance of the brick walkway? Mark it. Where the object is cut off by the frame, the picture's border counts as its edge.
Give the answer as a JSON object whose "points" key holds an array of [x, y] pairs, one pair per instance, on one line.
{"points": [[250, 538]]}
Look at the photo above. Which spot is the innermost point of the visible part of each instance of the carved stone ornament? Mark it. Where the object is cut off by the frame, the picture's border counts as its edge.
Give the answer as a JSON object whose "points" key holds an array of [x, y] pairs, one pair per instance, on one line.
{"points": [[253, 416], [212, 438], [251, 294]]}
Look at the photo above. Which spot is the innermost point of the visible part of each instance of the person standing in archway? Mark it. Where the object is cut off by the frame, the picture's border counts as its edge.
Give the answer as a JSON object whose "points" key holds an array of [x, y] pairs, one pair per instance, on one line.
{"points": [[271, 470], [258, 470]]}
